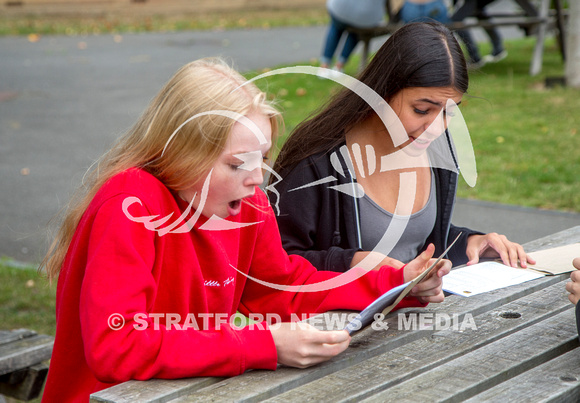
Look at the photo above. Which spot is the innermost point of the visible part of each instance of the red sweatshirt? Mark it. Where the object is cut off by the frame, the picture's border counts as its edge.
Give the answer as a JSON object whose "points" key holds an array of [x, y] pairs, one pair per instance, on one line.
{"points": [[123, 287]]}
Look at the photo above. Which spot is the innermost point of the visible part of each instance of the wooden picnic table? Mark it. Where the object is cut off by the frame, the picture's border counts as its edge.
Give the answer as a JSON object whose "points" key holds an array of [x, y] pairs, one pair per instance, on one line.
{"points": [[22, 371], [524, 348], [535, 17]]}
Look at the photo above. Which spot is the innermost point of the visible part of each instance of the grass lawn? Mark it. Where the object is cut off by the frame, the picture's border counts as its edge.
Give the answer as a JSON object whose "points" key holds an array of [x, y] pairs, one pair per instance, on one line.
{"points": [[26, 299], [116, 24]]}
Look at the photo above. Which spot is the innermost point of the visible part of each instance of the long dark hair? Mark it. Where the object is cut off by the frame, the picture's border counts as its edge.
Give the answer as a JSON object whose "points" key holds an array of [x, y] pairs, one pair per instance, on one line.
{"points": [[417, 55]]}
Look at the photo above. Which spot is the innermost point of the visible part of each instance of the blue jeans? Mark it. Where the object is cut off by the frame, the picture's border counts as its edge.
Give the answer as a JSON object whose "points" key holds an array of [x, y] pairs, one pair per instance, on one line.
{"points": [[435, 10], [335, 32]]}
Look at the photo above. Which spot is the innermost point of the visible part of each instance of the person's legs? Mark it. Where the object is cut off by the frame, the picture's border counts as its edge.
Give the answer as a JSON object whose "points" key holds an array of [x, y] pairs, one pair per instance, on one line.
{"points": [[470, 45], [335, 31], [468, 9], [349, 45], [493, 33]]}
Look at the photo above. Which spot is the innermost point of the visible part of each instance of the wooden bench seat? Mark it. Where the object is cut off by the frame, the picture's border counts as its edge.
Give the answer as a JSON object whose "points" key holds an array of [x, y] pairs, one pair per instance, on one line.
{"points": [[22, 371]]}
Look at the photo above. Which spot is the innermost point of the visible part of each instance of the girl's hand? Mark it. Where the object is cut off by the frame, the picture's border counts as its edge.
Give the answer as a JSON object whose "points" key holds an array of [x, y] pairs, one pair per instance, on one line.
{"points": [[573, 287], [430, 288], [301, 345], [495, 245]]}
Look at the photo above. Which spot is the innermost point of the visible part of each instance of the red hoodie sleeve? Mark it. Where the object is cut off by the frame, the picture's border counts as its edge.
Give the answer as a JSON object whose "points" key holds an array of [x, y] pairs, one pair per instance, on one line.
{"points": [[119, 283], [272, 264]]}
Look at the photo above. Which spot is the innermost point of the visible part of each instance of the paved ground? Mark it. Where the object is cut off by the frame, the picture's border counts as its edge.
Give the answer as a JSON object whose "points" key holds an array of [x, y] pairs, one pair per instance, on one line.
{"points": [[64, 99]]}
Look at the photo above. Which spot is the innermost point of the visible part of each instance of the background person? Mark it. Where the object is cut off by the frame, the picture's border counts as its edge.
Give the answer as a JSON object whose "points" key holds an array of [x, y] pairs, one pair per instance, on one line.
{"points": [[149, 236], [345, 14], [418, 69]]}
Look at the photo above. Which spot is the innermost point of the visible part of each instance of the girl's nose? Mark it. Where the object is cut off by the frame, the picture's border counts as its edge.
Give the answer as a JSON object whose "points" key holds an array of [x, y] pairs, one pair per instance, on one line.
{"points": [[436, 127], [255, 177]]}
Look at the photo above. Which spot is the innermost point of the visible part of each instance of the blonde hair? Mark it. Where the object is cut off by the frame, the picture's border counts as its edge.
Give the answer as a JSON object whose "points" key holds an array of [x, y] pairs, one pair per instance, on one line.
{"points": [[201, 86]]}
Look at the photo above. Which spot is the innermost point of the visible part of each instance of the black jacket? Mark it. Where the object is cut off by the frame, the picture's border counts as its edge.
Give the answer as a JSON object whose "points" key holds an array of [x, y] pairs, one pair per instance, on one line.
{"points": [[320, 223]]}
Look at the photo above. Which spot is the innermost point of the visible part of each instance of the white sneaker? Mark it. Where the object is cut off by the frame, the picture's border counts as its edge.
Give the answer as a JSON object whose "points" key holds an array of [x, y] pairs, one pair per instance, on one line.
{"points": [[495, 58]]}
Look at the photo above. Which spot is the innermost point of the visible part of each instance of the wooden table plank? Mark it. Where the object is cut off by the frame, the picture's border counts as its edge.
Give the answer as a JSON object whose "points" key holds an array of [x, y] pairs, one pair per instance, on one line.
{"points": [[490, 365], [403, 363], [556, 380], [154, 390], [566, 237]]}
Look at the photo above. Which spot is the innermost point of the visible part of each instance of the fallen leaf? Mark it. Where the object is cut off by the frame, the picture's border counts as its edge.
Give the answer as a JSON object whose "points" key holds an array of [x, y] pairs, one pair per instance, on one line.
{"points": [[33, 38]]}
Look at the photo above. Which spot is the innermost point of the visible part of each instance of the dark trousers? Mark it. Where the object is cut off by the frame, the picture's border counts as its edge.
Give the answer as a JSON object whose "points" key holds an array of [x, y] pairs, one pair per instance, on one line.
{"points": [[475, 8]]}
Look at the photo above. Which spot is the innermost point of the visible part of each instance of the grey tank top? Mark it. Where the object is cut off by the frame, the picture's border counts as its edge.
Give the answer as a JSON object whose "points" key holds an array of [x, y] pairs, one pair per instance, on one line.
{"points": [[374, 221]]}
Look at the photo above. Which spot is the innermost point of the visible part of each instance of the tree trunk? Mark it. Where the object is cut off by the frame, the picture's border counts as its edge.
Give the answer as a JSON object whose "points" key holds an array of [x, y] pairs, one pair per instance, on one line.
{"points": [[573, 45]]}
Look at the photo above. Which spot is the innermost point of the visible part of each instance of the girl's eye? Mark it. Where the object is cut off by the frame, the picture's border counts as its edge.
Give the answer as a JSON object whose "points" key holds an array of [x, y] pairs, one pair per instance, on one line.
{"points": [[449, 113], [234, 167], [421, 112]]}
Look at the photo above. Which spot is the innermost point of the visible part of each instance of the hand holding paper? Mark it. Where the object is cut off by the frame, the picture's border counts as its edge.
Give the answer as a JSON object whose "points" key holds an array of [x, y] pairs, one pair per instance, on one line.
{"points": [[428, 290]]}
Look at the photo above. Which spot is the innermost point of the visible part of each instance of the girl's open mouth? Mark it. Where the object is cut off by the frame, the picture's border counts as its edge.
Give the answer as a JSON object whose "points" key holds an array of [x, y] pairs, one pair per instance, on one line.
{"points": [[234, 207]]}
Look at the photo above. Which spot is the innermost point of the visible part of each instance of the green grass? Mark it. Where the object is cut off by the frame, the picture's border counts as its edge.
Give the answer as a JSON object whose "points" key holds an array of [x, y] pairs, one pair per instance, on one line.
{"points": [[26, 299], [117, 24], [525, 135]]}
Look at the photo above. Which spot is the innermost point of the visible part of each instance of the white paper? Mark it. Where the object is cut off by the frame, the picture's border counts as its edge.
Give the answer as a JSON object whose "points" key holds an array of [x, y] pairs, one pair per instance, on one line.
{"points": [[484, 277]]}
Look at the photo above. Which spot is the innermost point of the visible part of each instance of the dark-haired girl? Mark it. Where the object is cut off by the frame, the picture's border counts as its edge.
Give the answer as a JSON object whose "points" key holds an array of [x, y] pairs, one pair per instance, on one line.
{"points": [[344, 169]]}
